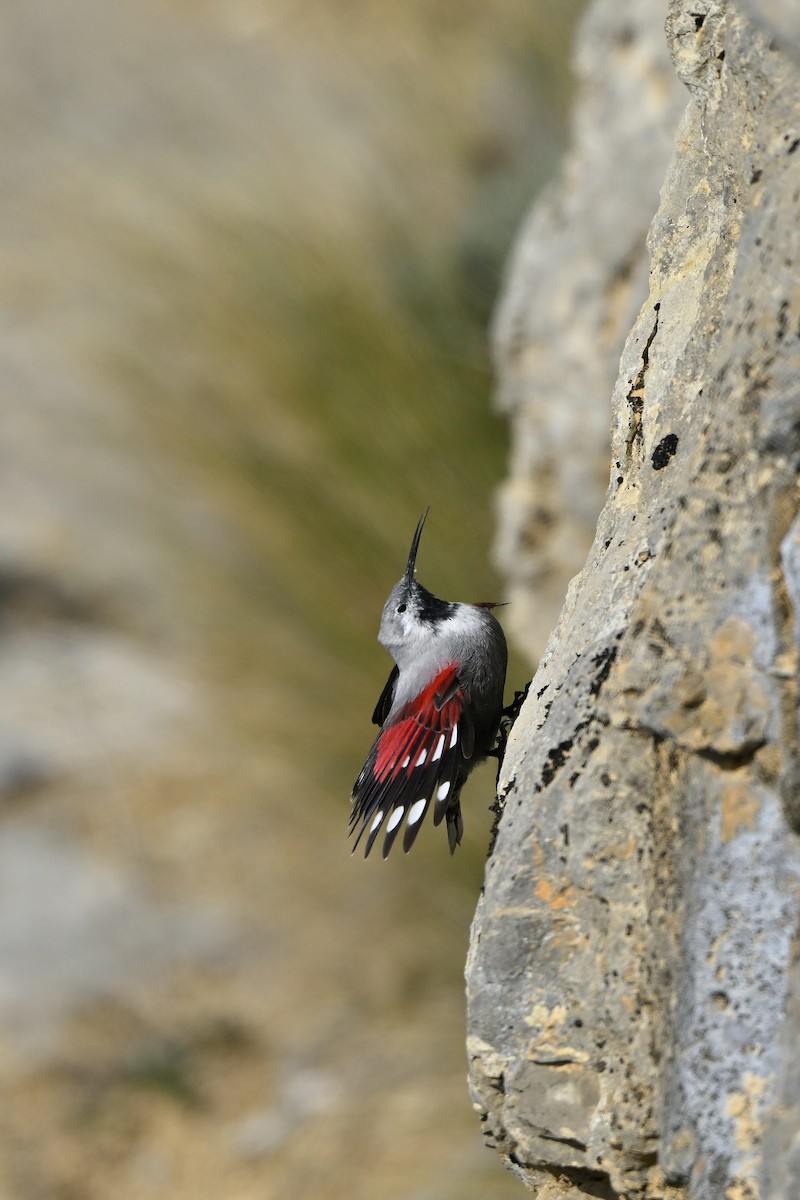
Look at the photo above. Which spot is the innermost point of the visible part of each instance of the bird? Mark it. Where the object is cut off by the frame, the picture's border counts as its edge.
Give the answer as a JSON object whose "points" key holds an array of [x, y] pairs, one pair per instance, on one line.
{"points": [[438, 714]]}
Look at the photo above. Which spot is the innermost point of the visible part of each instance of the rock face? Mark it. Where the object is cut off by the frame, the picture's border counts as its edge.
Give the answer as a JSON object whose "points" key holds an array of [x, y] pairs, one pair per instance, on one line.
{"points": [[576, 283], [634, 1024]]}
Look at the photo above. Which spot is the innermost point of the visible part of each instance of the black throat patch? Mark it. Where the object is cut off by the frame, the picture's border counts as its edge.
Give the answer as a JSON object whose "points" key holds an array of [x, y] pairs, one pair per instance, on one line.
{"points": [[429, 607]]}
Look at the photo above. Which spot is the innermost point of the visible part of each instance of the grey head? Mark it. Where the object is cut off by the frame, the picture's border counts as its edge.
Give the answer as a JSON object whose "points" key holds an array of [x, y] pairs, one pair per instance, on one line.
{"points": [[412, 616]]}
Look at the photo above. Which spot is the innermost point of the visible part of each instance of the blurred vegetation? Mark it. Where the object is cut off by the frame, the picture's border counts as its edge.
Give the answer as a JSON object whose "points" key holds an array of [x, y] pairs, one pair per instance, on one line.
{"points": [[323, 359], [251, 251]]}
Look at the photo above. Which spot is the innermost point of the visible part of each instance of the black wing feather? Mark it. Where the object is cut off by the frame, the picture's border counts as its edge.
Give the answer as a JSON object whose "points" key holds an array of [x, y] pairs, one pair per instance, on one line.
{"points": [[386, 697]]}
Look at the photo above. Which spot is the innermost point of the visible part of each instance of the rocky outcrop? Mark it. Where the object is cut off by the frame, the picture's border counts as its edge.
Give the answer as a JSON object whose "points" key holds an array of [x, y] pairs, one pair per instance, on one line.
{"points": [[633, 1016], [576, 282]]}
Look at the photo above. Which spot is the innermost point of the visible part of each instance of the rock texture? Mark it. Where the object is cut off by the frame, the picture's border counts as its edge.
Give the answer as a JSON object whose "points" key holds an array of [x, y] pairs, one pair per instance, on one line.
{"points": [[633, 1008], [576, 282]]}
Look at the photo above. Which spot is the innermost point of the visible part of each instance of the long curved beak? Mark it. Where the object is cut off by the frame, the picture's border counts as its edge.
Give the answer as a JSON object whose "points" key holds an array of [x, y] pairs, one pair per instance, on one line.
{"points": [[412, 554]]}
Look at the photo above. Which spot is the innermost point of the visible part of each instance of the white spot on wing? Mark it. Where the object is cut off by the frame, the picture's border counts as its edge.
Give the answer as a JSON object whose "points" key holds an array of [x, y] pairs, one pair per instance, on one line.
{"points": [[439, 747], [454, 736], [421, 758], [376, 822], [395, 819], [405, 762], [416, 811], [443, 789]]}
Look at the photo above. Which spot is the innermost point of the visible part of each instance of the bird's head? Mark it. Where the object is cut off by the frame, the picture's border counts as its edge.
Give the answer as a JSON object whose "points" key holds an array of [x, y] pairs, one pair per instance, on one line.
{"points": [[412, 615]]}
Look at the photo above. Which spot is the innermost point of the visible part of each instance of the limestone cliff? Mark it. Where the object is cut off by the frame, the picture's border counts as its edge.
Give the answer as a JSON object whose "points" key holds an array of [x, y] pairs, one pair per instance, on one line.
{"points": [[633, 1013]]}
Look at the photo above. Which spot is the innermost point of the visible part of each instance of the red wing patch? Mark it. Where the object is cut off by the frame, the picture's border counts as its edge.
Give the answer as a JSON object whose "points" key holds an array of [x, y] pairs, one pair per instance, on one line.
{"points": [[414, 762]]}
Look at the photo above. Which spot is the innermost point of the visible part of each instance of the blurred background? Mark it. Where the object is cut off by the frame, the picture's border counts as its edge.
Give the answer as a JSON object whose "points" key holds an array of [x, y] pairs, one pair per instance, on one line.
{"points": [[250, 250]]}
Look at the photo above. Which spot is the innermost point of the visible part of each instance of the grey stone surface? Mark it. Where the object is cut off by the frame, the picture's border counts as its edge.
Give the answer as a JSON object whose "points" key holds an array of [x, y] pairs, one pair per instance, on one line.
{"points": [[632, 1006], [575, 283]]}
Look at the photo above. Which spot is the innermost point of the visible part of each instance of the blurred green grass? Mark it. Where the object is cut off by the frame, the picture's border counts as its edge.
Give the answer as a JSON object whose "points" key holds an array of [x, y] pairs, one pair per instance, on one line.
{"points": [[254, 247], [324, 365]]}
